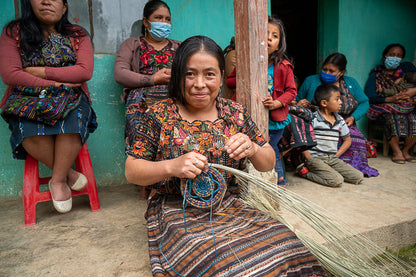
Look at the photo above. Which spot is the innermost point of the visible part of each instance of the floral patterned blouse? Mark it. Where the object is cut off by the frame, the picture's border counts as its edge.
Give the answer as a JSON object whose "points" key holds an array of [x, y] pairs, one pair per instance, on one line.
{"points": [[151, 61], [162, 134], [56, 52]]}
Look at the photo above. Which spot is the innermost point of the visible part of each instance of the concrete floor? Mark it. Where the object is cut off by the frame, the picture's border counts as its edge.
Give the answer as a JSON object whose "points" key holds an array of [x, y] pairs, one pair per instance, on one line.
{"points": [[113, 241]]}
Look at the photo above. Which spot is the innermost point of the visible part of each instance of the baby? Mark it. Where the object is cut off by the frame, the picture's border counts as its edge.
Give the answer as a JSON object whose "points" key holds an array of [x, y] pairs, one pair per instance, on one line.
{"points": [[407, 81]]}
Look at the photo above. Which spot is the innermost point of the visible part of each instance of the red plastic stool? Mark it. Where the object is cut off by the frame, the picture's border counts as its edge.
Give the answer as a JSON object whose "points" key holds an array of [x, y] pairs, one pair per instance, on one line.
{"points": [[31, 182]]}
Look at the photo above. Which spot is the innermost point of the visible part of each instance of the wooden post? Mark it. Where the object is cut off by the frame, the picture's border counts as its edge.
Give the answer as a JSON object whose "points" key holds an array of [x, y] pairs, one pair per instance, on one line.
{"points": [[251, 49]]}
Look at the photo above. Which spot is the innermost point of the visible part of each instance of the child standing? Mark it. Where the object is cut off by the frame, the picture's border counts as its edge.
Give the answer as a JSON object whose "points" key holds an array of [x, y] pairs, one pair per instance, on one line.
{"points": [[323, 161], [282, 89]]}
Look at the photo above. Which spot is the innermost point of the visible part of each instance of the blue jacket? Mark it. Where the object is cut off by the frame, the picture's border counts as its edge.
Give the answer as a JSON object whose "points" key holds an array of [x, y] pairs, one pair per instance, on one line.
{"points": [[307, 91], [370, 86]]}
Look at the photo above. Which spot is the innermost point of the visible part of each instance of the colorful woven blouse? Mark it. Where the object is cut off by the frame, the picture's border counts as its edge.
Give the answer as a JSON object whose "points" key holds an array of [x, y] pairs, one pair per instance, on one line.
{"points": [[162, 134]]}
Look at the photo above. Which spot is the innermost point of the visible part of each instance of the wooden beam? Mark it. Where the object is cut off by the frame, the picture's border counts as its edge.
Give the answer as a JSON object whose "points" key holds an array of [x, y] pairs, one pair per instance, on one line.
{"points": [[251, 49]]}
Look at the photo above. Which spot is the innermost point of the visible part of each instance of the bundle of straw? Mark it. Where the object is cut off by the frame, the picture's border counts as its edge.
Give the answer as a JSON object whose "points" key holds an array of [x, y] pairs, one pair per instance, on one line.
{"points": [[346, 252]]}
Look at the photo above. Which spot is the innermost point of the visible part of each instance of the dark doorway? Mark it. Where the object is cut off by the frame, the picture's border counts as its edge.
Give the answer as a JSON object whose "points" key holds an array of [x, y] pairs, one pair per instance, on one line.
{"points": [[300, 18]]}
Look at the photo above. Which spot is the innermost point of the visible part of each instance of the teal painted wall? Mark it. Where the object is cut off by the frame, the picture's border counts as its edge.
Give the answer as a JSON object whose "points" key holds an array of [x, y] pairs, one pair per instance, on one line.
{"points": [[191, 17], [361, 30]]}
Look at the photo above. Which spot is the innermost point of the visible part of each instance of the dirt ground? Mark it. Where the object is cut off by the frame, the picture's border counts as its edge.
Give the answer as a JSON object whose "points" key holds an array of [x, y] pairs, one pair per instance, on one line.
{"points": [[113, 241]]}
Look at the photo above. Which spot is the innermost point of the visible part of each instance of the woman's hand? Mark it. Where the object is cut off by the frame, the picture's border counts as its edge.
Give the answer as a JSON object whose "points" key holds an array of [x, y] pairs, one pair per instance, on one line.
{"points": [[240, 146], [304, 103], [271, 104], [397, 98], [189, 165], [409, 92], [162, 77], [38, 71], [350, 121]]}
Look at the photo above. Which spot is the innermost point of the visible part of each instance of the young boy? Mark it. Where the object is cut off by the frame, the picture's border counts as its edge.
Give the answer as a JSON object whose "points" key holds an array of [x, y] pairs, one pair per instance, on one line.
{"points": [[322, 160]]}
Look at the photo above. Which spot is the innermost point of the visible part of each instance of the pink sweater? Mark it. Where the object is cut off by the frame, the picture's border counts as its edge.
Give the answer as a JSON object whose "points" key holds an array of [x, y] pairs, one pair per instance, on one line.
{"points": [[12, 73]]}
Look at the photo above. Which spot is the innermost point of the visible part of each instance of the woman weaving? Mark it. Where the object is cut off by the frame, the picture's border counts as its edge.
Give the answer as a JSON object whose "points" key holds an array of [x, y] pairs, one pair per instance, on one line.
{"points": [[174, 142]]}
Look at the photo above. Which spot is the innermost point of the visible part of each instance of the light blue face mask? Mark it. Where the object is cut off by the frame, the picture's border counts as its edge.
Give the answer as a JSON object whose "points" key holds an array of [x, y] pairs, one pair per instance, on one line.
{"points": [[392, 62], [160, 30]]}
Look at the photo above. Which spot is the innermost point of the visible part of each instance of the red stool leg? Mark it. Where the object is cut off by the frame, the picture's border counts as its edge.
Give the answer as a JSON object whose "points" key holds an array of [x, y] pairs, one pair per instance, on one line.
{"points": [[83, 165], [30, 189]]}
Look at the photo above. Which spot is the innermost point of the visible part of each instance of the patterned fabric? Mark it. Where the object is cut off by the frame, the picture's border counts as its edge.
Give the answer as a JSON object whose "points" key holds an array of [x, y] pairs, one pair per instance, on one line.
{"points": [[399, 118], [233, 239], [385, 80], [47, 105], [401, 125], [162, 134], [298, 135], [55, 52], [81, 120], [376, 110], [247, 242], [356, 155], [349, 103], [139, 99]]}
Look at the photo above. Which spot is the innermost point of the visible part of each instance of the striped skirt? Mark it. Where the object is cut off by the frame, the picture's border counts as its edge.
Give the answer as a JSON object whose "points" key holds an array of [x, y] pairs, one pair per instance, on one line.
{"points": [[232, 240], [400, 125]]}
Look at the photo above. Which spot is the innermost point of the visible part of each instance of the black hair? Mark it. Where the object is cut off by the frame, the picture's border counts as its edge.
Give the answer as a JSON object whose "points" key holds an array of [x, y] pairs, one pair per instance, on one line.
{"points": [[280, 54], [324, 92], [337, 59], [230, 47], [390, 46], [410, 77], [150, 7], [185, 50], [30, 29]]}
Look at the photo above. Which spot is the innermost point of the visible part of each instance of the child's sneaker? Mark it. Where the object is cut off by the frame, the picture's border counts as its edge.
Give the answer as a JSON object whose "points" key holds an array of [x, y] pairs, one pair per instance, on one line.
{"points": [[302, 170]]}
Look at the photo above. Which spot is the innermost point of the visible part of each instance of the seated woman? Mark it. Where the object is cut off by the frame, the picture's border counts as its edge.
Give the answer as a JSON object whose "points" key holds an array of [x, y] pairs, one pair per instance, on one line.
{"points": [[174, 142], [143, 64], [397, 111], [354, 106], [39, 53]]}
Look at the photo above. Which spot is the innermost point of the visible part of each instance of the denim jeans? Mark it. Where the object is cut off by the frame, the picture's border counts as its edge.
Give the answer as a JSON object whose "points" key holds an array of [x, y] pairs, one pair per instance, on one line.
{"points": [[275, 136]]}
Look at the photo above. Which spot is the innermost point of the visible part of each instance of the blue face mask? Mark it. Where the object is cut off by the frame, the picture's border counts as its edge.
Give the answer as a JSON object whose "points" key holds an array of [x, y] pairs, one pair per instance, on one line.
{"points": [[160, 30], [327, 78], [392, 62]]}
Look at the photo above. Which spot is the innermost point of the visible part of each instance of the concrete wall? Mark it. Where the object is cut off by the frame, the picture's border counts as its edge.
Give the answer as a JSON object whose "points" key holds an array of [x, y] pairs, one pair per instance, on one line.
{"points": [[191, 17], [361, 30]]}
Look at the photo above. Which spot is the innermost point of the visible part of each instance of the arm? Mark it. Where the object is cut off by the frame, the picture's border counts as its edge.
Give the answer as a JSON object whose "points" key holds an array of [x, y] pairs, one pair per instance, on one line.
{"points": [[289, 90], [11, 70], [81, 71], [344, 133], [346, 143], [145, 173], [123, 73], [239, 146]]}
